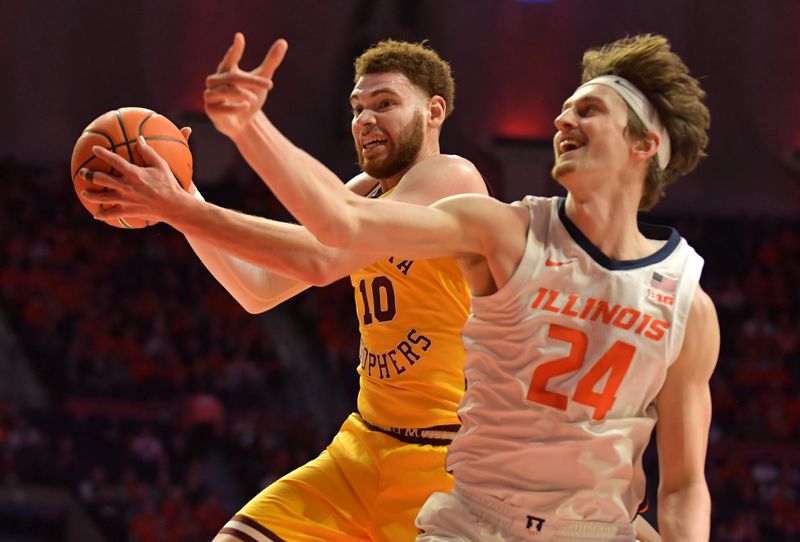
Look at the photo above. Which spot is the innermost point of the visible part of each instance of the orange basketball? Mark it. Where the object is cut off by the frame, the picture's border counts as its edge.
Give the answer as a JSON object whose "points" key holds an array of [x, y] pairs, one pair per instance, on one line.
{"points": [[117, 131]]}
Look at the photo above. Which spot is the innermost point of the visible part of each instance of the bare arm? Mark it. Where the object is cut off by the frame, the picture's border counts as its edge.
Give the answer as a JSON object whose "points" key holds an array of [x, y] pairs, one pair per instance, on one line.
{"points": [[254, 287], [338, 218], [684, 418], [269, 246], [260, 262]]}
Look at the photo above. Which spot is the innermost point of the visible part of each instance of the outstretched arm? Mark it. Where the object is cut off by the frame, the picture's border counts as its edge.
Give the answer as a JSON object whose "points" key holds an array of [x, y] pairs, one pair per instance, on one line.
{"points": [[684, 418], [254, 287], [260, 262]]}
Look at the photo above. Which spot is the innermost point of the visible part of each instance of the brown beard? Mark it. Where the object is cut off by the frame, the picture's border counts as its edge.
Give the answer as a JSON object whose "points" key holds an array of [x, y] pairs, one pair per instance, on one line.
{"points": [[409, 142]]}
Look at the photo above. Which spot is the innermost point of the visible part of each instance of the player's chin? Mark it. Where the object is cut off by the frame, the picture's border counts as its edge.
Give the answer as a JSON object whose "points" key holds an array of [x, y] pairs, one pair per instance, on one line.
{"points": [[561, 170]]}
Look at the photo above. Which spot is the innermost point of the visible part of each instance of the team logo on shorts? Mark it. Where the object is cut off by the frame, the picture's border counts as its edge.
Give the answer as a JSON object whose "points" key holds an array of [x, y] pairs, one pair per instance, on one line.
{"points": [[534, 525]]}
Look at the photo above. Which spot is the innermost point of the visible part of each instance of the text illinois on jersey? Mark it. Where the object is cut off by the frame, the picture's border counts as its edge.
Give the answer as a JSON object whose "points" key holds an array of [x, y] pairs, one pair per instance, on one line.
{"points": [[594, 309]]}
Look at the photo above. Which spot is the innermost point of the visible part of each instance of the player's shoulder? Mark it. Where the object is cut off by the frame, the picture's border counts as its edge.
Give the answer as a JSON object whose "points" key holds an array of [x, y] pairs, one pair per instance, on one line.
{"points": [[449, 169], [701, 340], [702, 310], [448, 161], [439, 176]]}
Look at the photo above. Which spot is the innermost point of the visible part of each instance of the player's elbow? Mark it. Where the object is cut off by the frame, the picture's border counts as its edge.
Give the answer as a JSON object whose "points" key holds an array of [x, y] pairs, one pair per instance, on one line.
{"points": [[255, 306], [320, 277], [341, 232], [319, 268], [254, 303]]}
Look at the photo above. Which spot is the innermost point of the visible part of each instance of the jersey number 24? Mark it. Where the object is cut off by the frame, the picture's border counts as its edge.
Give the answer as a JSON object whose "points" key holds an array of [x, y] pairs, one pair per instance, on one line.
{"points": [[616, 360]]}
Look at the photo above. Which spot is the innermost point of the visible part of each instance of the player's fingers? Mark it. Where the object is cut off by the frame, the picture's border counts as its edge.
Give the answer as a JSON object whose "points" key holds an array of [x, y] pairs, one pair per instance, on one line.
{"points": [[244, 79], [99, 178], [233, 55], [149, 155], [229, 107], [119, 213], [186, 132], [229, 94], [114, 160], [273, 59], [114, 212], [107, 197]]}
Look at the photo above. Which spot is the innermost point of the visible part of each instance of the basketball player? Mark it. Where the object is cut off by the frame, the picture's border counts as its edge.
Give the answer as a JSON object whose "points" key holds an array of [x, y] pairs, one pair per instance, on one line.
{"points": [[389, 456], [586, 325]]}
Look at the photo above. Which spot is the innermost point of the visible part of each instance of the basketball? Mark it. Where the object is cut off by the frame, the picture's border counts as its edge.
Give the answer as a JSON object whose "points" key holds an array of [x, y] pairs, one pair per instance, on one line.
{"points": [[118, 131]]}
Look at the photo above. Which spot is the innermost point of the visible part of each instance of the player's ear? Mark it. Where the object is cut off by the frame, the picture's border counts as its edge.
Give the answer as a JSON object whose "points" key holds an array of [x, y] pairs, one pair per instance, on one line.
{"points": [[186, 132], [647, 146], [437, 110]]}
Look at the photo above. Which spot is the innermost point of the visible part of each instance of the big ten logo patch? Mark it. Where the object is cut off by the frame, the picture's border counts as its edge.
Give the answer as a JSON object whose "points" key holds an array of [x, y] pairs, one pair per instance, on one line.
{"points": [[659, 297]]}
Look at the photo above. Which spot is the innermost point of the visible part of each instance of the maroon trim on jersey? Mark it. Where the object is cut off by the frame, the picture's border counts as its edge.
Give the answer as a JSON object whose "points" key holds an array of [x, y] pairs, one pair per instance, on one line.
{"points": [[254, 525], [237, 534]]}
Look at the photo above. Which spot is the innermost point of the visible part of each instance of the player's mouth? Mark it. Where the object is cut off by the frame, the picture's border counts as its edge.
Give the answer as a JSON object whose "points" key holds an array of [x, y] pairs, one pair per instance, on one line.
{"points": [[567, 145], [372, 146]]}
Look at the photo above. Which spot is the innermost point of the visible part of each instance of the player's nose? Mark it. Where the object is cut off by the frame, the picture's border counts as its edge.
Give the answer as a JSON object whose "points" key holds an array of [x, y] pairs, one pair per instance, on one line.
{"points": [[565, 120], [365, 118]]}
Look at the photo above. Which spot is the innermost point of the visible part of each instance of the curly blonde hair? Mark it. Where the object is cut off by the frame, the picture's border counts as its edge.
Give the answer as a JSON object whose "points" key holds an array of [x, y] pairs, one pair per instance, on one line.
{"points": [[647, 61]]}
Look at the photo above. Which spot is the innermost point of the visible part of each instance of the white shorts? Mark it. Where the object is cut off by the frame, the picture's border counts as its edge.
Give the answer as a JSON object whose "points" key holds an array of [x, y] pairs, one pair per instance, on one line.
{"points": [[456, 517]]}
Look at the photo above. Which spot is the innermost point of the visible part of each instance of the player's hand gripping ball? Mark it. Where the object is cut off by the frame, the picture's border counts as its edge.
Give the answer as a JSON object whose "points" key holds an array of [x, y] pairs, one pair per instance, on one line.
{"points": [[117, 131]]}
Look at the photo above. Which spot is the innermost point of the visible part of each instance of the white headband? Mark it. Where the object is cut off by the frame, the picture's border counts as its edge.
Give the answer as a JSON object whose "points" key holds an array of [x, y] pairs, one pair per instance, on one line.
{"points": [[637, 101]]}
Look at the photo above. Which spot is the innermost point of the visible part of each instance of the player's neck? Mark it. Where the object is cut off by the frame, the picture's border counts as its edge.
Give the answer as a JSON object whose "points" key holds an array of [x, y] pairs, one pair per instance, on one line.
{"points": [[424, 152], [611, 225]]}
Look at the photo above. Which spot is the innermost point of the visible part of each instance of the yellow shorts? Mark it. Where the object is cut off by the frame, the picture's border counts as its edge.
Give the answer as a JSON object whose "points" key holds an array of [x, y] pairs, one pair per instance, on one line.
{"points": [[366, 485]]}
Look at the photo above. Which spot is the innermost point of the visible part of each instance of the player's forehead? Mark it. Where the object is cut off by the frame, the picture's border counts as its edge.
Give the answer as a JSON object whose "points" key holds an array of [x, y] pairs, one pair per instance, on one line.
{"points": [[373, 84], [594, 93]]}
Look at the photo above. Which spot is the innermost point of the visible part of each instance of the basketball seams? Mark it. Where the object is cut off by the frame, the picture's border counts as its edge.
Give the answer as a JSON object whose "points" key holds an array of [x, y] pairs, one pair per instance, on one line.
{"points": [[140, 128], [114, 146], [102, 134], [92, 156], [124, 136], [167, 138]]}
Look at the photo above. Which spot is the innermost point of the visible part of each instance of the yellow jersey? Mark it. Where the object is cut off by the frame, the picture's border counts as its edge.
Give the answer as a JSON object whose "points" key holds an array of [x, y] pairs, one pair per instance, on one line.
{"points": [[411, 359]]}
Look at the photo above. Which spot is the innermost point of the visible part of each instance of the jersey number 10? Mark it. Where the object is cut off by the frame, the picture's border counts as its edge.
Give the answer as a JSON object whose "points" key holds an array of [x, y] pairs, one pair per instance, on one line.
{"points": [[382, 290], [616, 360]]}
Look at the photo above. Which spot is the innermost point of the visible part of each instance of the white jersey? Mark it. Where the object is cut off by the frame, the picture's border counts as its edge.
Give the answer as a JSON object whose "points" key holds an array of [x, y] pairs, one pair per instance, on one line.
{"points": [[563, 366]]}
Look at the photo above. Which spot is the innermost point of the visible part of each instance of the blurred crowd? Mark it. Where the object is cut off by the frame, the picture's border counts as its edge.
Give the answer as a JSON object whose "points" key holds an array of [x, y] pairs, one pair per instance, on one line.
{"points": [[164, 395], [169, 406]]}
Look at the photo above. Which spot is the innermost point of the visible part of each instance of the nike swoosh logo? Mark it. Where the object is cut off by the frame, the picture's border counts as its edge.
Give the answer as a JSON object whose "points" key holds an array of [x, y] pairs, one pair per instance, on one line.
{"points": [[551, 263]]}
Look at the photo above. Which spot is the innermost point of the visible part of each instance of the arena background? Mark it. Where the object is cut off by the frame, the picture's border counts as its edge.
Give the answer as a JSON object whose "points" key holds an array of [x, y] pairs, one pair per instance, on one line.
{"points": [[139, 402]]}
